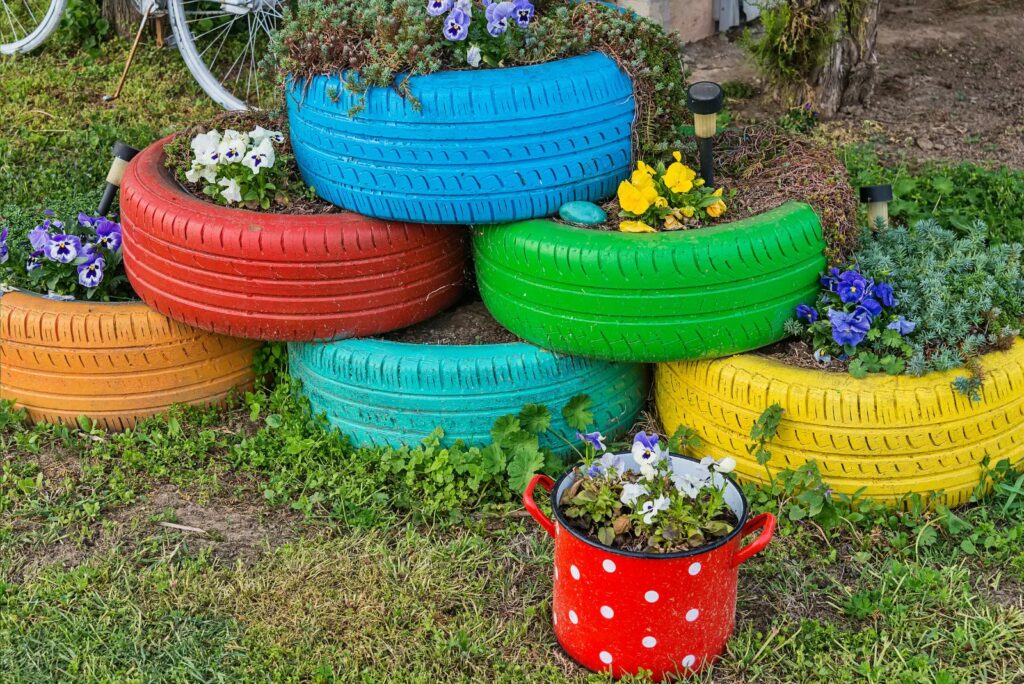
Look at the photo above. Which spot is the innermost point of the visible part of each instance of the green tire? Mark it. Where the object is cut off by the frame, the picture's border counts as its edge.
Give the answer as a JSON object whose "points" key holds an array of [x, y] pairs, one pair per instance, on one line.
{"points": [[653, 297]]}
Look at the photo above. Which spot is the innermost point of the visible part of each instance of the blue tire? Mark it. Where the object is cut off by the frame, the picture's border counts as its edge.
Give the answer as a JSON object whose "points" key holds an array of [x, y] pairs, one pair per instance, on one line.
{"points": [[391, 393], [488, 146]]}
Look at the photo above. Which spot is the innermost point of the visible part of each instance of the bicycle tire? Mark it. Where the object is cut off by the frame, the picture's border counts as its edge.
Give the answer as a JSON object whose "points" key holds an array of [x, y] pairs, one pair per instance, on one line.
{"points": [[38, 36]]}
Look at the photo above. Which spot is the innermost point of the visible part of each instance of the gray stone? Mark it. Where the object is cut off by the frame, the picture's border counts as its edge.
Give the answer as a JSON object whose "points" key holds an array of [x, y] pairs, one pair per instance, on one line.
{"points": [[584, 213]]}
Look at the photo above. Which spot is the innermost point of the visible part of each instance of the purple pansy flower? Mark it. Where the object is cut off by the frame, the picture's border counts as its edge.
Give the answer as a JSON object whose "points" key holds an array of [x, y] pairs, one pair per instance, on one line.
{"points": [[523, 12], [87, 221], [34, 261], [38, 237], [828, 281], [436, 8], [456, 26], [808, 313], [871, 306], [90, 274], [851, 287], [883, 292], [646, 451], [902, 326], [849, 328], [63, 248], [497, 17], [49, 212], [5, 252], [596, 440], [108, 235]]}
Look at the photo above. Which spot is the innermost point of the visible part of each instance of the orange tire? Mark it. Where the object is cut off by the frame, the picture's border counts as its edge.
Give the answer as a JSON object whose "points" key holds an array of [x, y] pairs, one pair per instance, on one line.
{"points": [[115, 363]]}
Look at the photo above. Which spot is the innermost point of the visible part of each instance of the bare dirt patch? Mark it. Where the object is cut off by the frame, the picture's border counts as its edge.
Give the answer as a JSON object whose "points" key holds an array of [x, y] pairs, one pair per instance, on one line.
{"points": [[469, 323], [950, 86]]}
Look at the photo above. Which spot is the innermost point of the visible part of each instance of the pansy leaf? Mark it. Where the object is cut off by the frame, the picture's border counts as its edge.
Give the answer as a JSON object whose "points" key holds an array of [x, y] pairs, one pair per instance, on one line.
{"points": [[535, 418], [577, 412]]}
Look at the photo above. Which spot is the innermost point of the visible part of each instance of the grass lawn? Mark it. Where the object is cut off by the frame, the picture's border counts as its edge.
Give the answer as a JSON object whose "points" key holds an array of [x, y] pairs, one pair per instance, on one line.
{"points": [[247, 544]]}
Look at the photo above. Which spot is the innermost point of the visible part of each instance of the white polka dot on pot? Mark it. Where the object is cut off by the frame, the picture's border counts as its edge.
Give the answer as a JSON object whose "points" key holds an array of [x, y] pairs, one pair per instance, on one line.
{"points": [[694, 568], [607, 612], [574, 571], [688, 661], [692, 614], [649, 642], [651, 596], [573, 617], [605, 657], [608, 565]]}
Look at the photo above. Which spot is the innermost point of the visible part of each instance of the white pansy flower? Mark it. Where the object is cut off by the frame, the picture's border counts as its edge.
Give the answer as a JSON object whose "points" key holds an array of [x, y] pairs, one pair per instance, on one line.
{"points": [[689, 484], [259, 134], [206, 172], [631, 492], [652, 508], [206, 148], [726, 465], [262, 157], [233, 146], [473, 56], [232, 192]]}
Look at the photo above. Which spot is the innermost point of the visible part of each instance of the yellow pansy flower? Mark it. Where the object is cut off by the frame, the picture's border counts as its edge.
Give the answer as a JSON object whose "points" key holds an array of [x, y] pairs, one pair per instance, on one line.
{"points": [[679, 177], [640, 166], [716, 209], [635, 227], [672, 223], [660, 202], [636, 200], [687, 212], [718, 192], [678, 157]]}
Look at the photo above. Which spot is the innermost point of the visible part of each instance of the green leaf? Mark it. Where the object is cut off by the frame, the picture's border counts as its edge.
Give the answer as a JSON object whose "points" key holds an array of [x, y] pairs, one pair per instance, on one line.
{"points": [[577, 412], [522, 469], [493, 460], [858, 369], [274, 420], [505, 427], [968, 547], [606, 536], [535, 418]]}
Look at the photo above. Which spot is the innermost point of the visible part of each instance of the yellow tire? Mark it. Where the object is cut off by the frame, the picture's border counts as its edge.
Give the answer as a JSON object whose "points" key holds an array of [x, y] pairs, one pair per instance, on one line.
{"points": [[115, 363], [890, 435]]}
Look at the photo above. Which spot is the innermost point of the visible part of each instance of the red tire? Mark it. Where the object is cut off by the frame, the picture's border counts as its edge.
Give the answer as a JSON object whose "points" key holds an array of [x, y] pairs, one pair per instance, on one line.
{"points": [[280, 276]]}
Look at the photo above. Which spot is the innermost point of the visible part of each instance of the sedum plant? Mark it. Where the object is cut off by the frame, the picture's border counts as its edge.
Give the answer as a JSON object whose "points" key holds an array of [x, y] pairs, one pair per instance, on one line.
{"points": [[652, 508], [383, 42], [955, 298]]}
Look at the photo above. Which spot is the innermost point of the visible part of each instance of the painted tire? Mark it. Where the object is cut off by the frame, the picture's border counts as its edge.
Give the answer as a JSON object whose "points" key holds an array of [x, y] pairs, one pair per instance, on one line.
{"points": [[390, 393], [487, 146], [654, 297], [278, 276], [116, 363], [889, 435]]}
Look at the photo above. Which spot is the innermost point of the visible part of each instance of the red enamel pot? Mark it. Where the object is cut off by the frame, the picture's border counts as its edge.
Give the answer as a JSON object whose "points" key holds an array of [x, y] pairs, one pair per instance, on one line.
{"points": [[623, 611]]}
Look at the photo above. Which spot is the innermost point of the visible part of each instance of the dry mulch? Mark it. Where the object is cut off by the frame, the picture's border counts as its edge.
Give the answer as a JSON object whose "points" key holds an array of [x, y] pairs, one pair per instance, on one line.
{"points": [[466, 324]]}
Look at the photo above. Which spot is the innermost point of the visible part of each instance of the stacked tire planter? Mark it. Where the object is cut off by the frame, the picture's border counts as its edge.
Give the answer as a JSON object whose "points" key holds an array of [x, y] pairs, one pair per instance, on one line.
{"points": [[114, 363], [883, 436], [390, 393]]}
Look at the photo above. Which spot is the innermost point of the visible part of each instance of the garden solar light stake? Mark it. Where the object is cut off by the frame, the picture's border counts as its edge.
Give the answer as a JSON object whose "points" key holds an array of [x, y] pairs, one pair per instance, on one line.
{"points": [[877, 197], [705, 101], [122, 155]]}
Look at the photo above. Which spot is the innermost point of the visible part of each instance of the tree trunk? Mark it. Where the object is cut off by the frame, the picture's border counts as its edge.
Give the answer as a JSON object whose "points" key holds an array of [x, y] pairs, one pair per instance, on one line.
{"points": [[123, 16], [848, 74]]}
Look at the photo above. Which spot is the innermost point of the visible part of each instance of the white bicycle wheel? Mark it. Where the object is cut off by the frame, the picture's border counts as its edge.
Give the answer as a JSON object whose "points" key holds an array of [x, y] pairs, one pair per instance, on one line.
{"points": [[223, 43], [25, 24]]}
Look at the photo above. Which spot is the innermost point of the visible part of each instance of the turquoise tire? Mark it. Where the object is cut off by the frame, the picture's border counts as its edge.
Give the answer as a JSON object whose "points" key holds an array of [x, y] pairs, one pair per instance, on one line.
{"points": [[383, 393]]}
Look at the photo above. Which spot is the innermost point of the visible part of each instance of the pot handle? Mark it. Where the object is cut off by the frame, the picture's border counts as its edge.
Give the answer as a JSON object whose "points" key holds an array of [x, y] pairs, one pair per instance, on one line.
{"points": [[766, 523], [531, 505]]}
